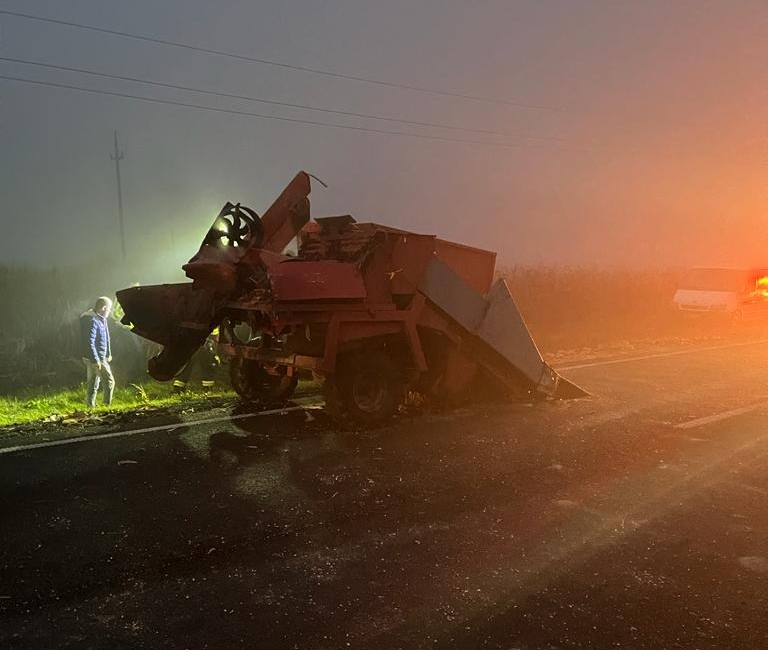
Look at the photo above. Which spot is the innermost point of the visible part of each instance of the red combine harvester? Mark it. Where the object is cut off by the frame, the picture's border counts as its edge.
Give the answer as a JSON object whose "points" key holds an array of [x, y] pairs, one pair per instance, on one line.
{"points": [[374, 310]]}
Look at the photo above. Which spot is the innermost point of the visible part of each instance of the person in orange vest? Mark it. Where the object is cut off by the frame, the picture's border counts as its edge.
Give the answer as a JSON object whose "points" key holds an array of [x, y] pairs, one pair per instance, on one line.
{"points": [[203, 363]]}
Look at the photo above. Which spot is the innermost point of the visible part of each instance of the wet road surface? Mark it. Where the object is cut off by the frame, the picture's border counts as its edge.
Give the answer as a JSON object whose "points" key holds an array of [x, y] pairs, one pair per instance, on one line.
{"points": [[633, 519]]}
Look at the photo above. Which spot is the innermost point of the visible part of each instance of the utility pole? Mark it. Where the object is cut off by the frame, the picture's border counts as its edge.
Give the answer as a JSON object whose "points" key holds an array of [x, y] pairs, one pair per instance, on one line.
{"points": [[117, 157]]}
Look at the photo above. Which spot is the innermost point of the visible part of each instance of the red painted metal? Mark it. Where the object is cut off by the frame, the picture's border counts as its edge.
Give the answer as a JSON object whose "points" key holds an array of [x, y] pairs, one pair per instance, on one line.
{"points": [[298, 280], [287, 215], [352, 287]]}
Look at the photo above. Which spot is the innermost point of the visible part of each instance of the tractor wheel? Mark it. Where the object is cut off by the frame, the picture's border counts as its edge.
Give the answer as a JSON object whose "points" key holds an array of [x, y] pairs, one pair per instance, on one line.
{"points": [[253, 383], [367, 387]]}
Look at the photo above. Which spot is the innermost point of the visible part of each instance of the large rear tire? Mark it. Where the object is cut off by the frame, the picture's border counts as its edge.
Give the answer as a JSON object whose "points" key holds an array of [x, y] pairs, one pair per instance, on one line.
{"points": [[253, 383], [367, 387]]}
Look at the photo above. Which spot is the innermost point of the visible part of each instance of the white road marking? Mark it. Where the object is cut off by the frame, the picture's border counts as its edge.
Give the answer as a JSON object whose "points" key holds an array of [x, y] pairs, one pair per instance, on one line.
{"points": [[700, 422], [164, 427], [225, 418], [660, 355]]}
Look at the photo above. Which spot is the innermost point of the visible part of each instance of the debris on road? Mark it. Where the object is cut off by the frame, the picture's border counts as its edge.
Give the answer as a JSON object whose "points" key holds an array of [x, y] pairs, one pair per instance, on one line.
{"points": [[754, 563]]}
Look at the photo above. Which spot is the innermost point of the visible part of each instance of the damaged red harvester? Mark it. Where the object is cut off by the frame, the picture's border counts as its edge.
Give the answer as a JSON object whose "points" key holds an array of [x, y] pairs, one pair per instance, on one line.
{"points": [[374, 310]]}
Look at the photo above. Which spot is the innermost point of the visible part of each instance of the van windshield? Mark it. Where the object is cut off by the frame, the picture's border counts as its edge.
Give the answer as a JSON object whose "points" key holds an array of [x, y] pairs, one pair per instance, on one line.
{"points": [[715, 280]]}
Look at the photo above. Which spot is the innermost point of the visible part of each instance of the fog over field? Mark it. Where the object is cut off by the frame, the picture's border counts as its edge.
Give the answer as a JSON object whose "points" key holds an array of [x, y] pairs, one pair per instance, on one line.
{"points": [[627, 134]]}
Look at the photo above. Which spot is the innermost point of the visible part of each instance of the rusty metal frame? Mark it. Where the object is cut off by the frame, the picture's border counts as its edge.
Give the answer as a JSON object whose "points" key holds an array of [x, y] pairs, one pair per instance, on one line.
{"points": [[355, 319], [300, 361]]}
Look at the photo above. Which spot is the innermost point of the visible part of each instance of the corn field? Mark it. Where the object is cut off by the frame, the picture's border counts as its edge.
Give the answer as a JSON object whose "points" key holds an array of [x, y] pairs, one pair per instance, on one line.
{"points": [[574, 307], [564, 307]]}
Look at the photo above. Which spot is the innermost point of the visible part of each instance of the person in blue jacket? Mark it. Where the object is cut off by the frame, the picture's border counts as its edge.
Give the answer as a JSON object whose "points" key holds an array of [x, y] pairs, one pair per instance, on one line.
{"points": [[96, 351]]}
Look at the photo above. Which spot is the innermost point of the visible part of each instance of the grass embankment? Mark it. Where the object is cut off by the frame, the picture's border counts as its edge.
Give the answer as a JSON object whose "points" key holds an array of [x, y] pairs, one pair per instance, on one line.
{"points": [[35, 404]]}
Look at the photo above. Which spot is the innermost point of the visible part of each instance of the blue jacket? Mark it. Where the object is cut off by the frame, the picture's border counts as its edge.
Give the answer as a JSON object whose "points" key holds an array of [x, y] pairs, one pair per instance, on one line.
{"points": [[94, 335]]}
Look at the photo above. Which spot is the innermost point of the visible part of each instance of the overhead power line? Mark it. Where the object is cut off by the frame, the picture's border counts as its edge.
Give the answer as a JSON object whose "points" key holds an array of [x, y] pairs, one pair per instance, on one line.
{"points": [[294, 120], [272, 102], [281, 64]]}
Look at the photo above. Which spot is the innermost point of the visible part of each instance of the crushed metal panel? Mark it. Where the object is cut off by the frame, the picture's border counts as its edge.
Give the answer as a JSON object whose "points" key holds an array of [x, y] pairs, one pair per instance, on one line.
{"points": [[157, 311], [504, 329], [178, 316], [497, 322], [506, 332], [448, 291]]}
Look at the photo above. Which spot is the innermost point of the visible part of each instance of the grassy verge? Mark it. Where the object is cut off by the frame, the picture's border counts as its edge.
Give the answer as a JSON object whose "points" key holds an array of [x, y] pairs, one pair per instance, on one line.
{"points": [[33, 405]]}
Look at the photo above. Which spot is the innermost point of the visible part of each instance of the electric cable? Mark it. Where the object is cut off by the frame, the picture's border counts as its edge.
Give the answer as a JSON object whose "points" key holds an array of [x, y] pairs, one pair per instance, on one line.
{"points": [[281, 64]]}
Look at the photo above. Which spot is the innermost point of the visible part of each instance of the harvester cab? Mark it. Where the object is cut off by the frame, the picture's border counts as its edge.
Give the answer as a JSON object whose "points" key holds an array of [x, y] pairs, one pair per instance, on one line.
{"points": [[375, 311]]}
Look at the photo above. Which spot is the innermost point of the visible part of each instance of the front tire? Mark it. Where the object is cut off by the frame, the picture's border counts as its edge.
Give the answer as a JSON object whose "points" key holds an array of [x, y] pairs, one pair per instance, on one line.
{"points": [[253, 383]]}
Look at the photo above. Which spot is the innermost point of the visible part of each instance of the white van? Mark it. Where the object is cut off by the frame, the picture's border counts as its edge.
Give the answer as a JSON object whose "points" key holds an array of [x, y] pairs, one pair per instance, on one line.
{"points": [[741, 294]]}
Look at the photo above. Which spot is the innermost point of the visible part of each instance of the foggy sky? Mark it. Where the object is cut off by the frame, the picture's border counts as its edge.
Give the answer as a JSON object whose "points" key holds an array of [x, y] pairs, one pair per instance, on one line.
{"points": [[661, 114]]}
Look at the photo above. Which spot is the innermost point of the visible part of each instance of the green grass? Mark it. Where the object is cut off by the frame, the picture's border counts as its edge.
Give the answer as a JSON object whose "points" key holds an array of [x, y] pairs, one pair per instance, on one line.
{"points": [[33, 405]]}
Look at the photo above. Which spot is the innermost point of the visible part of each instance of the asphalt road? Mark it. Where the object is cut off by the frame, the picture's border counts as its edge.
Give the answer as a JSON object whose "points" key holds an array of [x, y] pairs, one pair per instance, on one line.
{"points": [[633, 519]]}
